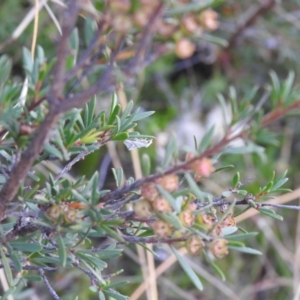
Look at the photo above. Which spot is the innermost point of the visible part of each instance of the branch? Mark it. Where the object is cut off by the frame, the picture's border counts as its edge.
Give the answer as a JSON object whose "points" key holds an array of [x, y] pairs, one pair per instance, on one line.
{"points": [[42, 134], [107, 80], [92, 277], [32, 268], [260, 10], [84, 58], [51, 290], [152, 240], [79, 157], [20, 170], [69, 19]]}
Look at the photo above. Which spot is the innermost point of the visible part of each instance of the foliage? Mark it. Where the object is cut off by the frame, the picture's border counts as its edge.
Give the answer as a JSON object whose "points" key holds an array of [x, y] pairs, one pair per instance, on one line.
{"points": [[52, 221]]}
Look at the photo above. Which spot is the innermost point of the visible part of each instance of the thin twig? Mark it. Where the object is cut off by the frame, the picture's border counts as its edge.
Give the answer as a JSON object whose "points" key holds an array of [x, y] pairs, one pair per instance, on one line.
{"points": [[152, 240], [51, 290], [79, 157], [260, 10], [32, 268], [92, 277], [70, 16], [83, 59]]}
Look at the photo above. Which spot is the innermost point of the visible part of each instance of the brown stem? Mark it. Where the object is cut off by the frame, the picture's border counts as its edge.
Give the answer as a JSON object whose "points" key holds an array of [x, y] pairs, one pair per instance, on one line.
{"points": [[278, 113], [20, 170], [42, 134], [260, 10]]}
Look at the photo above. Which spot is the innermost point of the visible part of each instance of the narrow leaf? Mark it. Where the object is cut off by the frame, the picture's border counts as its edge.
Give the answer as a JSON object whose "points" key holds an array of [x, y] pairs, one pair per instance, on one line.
{"points": [[223, 168], [26, 247], [245, 250], [112, 233], [7, 268], [270, 213], [188, 270], [120, 137], [206, 139], [169, 198], [169, 152], [62, 250], [243, 236], [194, 187], [146, 164], [115, 295], [14, 258]]}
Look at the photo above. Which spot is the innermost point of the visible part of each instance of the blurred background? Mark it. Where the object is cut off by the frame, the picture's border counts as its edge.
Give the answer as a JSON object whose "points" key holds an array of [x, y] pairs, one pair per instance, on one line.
{"points": [[240, 43]]}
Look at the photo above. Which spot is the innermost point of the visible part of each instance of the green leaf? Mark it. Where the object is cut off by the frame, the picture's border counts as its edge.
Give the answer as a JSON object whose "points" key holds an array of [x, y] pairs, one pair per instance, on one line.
{"points": [[107, 254], [93, 288], [270, 213], [194, 187], [74, 40], [120, 137], [245, 250], [112, 233], [126, 111], [148, 249], [223, 168], [115, 295], [227, 194], [188, 270], [32, 277], [117, 284], [14, 258], [171, 219], [146, 164], [278, 184], [276, 87], [118, 125], [169, 152], [62, 253], [267, 188], [90, 26], [5, 66], [27, 61], [52, 150], [236, 180], [10, 291], [242, 192], [7, 268], [88, 112], [119, 176], [142, 115], [26, 247], [217, 270], [236, 243], [192, 7], [175, 204], [92, 260], [101, 295], [213, 39], [228, 230], [287, 86], [242, 236], [206, 140], [113, 115]]}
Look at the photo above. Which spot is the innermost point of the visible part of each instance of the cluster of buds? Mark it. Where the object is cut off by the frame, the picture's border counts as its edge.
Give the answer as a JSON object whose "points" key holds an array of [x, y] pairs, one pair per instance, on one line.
{"points": [[122, 16], [186, 215], [62, 213], [193, 24], [152, 201]]}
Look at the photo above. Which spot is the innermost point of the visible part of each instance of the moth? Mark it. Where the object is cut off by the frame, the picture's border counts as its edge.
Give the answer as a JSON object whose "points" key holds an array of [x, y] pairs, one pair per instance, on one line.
{"points": [[134, 143]]}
